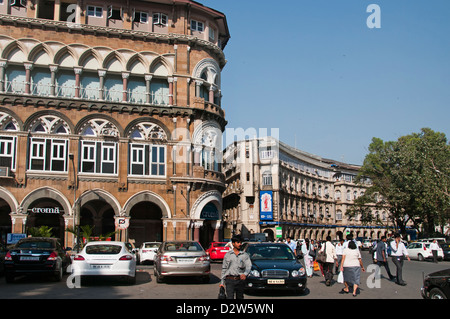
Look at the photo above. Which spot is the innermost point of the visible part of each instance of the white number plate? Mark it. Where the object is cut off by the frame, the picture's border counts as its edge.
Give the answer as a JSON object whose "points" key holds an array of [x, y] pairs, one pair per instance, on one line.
{"points": [[275, 281], [100, 266], [186, 260], [31, 258]]}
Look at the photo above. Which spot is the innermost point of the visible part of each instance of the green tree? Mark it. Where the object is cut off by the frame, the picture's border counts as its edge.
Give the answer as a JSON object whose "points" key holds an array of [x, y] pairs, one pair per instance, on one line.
{"points": [[412, 177]]}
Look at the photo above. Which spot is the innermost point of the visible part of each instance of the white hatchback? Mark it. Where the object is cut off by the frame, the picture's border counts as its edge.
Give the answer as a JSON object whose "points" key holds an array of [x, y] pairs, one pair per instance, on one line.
{"points": [[105, 258], [422, 251]]}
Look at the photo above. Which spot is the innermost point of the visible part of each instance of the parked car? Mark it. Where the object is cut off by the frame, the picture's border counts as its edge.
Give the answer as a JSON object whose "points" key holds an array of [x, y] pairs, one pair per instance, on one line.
{"points": [[147, 251], [36, 255], [436, 285], [446, 250], [105, 258], [181, 258], [274, 266], [217, 250], [422, 251], [366, 244], [3, 252]]}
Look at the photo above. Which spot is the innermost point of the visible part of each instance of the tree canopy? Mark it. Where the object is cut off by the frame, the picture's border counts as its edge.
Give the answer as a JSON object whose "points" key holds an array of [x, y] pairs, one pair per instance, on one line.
{"points": [[412, 177]]}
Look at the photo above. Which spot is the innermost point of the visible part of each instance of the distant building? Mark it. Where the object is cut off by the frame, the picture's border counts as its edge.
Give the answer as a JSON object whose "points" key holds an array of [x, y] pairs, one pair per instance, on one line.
{"points": [[273, 188], [109, 117]]}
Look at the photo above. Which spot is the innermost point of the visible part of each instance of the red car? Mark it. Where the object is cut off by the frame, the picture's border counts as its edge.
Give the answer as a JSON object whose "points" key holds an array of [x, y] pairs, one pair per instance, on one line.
{"points": [[217, 250]]}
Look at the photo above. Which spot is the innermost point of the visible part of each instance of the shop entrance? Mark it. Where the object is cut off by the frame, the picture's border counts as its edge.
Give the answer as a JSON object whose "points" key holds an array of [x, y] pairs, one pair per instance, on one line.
{"points": [[46, 212], [100, 216], [145, 223], [210, 214]]}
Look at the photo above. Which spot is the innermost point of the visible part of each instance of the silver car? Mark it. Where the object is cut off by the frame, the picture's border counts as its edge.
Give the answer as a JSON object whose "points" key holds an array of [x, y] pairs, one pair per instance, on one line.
{"points": [[181, 258]]}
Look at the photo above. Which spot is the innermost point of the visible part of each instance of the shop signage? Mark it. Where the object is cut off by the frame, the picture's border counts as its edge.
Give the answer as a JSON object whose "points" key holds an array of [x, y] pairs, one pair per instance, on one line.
{"points": [[14, 238], [209, 212], [265, 205], [278, 232], [46, 210]]}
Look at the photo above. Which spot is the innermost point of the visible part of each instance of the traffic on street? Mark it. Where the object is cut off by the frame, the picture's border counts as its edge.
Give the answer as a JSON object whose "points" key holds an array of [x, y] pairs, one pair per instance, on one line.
{"points": [[203, 282]]}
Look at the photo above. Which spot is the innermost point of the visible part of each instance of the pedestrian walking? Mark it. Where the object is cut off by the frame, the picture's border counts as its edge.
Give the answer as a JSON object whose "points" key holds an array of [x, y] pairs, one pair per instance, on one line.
{"points": [[351, 266], [331, 260], [308, 251], [398, 254], [381, 256], [292, 244], [235, 268], [434, 246], [339, 251]]}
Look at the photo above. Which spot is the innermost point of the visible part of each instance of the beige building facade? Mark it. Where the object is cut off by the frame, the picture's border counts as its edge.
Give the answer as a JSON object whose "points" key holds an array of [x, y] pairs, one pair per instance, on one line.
{"points": [[275, 189]]}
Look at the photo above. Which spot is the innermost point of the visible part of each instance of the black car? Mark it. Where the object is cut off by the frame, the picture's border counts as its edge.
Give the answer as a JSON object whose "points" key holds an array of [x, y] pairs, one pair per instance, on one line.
{"points": [[446, 249], [274, 266], [3, 252], [36, 255], [437, 285]]}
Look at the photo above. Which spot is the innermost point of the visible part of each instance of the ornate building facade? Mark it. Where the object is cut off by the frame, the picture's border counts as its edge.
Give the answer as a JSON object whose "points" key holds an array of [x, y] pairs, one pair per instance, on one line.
{"points": [[281, 191], [110, 115]]}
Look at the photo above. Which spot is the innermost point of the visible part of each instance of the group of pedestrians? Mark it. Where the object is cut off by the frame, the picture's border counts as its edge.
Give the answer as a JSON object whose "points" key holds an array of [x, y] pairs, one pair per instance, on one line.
{"points": [[344, 258]]}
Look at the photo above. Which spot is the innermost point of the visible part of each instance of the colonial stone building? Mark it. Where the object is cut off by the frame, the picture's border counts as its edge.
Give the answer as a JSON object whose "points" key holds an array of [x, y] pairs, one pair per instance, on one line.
{"points": [[110, 116], [276, 189]]}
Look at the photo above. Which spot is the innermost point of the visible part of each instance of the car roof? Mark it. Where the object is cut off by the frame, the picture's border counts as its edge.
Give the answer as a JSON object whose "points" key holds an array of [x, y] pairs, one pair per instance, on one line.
{"points": [[99, 242]]}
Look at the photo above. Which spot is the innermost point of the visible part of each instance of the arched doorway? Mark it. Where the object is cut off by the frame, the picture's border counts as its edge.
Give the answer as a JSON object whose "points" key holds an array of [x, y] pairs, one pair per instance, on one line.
{"points": [[145, 223], [46, 212], [209, 230], [5, 220], [99, 215]]}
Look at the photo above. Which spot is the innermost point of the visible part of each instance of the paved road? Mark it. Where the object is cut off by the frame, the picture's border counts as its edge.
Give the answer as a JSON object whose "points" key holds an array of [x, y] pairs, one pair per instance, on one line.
{"points": [[147, 288]]}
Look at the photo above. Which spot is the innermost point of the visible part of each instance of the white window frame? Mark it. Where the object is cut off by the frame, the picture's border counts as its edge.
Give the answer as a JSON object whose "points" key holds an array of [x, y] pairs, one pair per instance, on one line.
{"points": [[92, 11], [39, 150], [158, 19], [158, 163], [18, 3], [197, 26], [107, 154], [8, 149], [141, 15], [109, 12]]}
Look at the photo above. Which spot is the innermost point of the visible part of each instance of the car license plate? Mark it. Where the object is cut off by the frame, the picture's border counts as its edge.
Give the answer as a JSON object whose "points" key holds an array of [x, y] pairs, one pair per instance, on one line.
{"points": [[275, 281], [100, 266], [29, 258], [185, 260]]}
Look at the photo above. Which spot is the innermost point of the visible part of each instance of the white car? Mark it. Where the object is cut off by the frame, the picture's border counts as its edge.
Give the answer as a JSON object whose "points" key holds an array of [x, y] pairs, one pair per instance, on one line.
{"points": [[422, 251], [147, 252], [105, 258]]}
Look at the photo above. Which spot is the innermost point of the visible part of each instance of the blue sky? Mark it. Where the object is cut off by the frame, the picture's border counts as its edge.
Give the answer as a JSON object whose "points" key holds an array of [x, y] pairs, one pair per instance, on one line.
{"points": [[329, 83]]}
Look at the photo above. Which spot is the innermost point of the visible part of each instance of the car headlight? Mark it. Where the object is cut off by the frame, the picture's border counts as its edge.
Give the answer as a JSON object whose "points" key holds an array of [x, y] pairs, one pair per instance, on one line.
{"points": [[254, 273], [298, 273]]}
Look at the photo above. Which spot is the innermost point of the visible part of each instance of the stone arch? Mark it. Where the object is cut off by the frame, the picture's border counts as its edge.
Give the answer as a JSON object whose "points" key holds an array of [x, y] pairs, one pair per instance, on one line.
{"points": [[9, 198], [148, 196], [100, 194], [214, 197], [47, 192]]}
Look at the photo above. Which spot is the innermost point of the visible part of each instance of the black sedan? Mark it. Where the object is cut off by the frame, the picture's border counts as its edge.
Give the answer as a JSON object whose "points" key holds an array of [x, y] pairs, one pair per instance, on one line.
{"points": [[437, 285], [274, 266], [36, 255]]}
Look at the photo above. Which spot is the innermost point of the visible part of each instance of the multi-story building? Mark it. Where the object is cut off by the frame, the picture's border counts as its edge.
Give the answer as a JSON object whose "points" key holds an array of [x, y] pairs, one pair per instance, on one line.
{"points": [[276, 189], [110, 114]]}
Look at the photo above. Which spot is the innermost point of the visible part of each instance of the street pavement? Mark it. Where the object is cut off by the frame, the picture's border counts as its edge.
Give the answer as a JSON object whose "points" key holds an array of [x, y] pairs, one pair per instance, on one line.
{"points": [[191, 289]]}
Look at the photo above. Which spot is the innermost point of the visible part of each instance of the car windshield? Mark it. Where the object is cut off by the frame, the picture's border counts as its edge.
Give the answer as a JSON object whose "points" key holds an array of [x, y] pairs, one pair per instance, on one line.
{"points": [[183, 246], [273, 252], [103, 249], [35, 244], [151, 245]]}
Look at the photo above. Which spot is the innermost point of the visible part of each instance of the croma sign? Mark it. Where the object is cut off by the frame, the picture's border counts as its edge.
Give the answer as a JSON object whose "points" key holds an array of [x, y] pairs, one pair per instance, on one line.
{"points": [[44, 210]]}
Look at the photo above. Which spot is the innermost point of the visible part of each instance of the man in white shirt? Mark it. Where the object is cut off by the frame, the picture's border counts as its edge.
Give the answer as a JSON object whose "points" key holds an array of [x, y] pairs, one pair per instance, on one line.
{"points": [[398, 254], [292, 244], [434, 246]]}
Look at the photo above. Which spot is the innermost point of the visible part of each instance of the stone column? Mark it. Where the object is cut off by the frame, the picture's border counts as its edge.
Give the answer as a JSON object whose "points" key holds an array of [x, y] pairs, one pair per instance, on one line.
{"points": [[77, 82], [125, 76], [28, 66], [148, 79], [53, 70], [101, 89]]}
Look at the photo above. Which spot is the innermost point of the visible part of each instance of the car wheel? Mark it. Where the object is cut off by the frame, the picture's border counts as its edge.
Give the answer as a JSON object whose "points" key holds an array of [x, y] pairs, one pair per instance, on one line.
{"points": [[420, 257], [9, 278], [437, 293]]}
